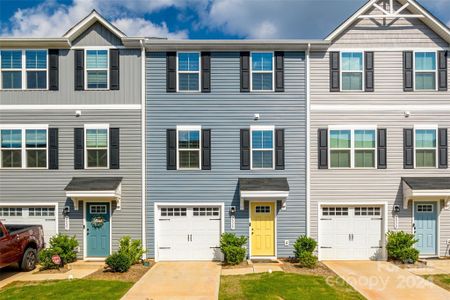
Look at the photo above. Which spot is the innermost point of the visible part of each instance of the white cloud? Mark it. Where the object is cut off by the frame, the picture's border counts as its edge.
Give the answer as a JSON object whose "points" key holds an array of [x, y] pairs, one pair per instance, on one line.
{"points": [[142, 27]]}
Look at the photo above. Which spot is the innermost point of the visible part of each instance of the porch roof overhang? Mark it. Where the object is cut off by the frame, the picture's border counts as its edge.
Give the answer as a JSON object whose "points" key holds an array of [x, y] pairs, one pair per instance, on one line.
{"points": [[263, 189], [426, 187], [80, 188]]}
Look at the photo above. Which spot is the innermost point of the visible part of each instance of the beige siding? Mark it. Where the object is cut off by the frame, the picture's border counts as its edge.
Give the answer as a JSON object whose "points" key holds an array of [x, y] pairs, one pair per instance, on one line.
{"points": [[97, 35]]}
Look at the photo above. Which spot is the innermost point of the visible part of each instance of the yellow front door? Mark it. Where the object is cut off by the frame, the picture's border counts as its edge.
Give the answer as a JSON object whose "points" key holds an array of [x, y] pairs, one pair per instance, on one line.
{"points": [[262, 228]]}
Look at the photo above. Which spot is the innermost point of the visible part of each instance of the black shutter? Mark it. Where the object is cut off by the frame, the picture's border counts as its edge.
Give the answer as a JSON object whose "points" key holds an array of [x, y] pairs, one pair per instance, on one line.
{"points": [[245, 72], [408, 148], [279, 149], [79, 70], [114, 148], [206, 72], [443, 148], [171, 68], [335, 85], [206, 149], [79, 148], [245, 149], [114, 69], [408, 71], [279, 71], [443, 73], [171, 142], [53, 148], [323, 148], [369, 72], [53, 66], [382, 148]]}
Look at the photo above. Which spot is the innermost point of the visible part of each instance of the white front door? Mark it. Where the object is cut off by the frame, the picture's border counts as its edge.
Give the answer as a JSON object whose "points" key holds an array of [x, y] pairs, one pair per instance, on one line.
{"points": [[188, 233], [351, 233]]}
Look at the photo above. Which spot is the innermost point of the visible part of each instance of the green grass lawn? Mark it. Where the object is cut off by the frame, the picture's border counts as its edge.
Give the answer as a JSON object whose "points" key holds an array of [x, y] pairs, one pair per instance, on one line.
{"points": [[65, 290], [440, 280], [285, 286]]}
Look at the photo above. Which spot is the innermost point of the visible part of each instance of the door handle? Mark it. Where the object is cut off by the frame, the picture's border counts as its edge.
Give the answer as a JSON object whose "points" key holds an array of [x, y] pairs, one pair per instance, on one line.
{"points": [[191, 237], [87, 231], [349, 236]]}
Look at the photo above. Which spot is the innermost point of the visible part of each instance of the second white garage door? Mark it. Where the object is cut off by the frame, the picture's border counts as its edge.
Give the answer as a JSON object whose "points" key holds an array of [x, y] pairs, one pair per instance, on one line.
{"points": [[351, 233], [188, 232]]}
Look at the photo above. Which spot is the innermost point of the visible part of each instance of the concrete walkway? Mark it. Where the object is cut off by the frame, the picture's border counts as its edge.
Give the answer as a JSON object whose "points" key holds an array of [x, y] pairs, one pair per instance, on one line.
{"points": [[383, 280], [178, 280], [254, 268], [433, 267]]}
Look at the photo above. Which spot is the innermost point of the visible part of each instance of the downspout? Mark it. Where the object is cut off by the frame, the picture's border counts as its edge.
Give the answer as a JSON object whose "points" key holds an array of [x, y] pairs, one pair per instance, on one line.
{"points": [[143, 148], [308, 141]]}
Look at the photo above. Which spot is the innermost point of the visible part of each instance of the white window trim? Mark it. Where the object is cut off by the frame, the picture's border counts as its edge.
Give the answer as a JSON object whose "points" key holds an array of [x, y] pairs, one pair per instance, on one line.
{"points": [[24, 70], [190, 72], [23, 149], [352, 148], [86, 49], [262, 72], [435, 71], [262, 128], [190, 128], [426, 127], [96, 126], [362, 71]]}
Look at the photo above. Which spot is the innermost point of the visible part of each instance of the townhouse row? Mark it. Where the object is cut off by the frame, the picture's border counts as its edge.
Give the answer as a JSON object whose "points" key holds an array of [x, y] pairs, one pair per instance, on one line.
{"points": [[177, 141]]}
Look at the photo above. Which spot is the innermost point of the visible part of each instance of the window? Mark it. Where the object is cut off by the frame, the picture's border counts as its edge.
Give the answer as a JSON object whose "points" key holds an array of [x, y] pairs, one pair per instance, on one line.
{"points": [[334, 211], [367, 211], [262, 71], [41, 211], [98, 209], [10, 211], [97, 69], [262, 209], [425, 208], [352, 68], [96, 141], [426, 148], [11, 66], [425, 70], [24, 147], [206, 211], [173, 212], [36, 68], [352, 148], [262, 147], [188, 141], [188, 71]]}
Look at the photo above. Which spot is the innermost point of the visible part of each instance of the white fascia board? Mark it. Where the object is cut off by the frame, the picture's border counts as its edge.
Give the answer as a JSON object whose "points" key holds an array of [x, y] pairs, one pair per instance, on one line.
{"points": [[410, 194], [23, 126], [262, 195], [92, 194]]}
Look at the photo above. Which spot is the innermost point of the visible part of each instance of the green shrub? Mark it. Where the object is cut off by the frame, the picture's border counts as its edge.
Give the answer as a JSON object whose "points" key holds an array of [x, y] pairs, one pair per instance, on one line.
{"points": [[232, 248], [400, 246], [45, 259], [304, 244], [118, 262], [307, 260], [64, 246], [131, 248]]}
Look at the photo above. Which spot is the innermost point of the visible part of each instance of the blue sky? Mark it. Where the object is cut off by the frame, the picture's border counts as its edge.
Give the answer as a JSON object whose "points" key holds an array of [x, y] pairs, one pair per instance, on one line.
{"points": [[196, 19]]}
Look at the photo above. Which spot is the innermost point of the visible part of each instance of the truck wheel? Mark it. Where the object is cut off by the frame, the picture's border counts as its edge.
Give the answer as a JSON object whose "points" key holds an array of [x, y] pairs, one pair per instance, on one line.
{"points": [[29, 260]]}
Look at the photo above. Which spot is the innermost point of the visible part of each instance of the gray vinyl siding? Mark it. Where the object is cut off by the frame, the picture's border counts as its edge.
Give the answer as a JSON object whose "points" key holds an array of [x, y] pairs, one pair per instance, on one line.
{"points": [[45, 186], [225, 111], [97, 35]]}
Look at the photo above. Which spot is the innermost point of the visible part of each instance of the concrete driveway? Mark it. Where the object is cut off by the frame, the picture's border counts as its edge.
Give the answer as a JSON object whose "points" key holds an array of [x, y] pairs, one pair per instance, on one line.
{"points": [[178, 280], [383, 280]]}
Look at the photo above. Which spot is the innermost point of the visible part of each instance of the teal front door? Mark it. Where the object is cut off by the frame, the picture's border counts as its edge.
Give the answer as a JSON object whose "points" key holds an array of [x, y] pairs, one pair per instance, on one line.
{"points": [[97, 229], [425, 226]]}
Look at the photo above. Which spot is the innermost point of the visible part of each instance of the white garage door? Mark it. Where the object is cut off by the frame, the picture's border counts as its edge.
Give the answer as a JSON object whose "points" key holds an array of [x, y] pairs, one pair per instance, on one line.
{"points": [[188, 233], [31, 215], [351, 232]]}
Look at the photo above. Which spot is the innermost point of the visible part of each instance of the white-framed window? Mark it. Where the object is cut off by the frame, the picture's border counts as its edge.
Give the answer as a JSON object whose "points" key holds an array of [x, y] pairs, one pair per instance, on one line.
{"points": [[335, 211], [41, 211], [10, 211], [367, 211], [206, 211], [262, 147], [98, 209], [24, 69], [352, 147], [188, 147], [96, 69], [425, 145], [425, 208], [262, 71], [352, 71], [24, 146], [188, 71], [173, 212], [96, 141], [425, 70]]}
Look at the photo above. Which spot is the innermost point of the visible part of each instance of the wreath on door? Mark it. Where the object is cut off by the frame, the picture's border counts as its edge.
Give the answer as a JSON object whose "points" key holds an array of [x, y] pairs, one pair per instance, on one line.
{"points": [[97, 221]]}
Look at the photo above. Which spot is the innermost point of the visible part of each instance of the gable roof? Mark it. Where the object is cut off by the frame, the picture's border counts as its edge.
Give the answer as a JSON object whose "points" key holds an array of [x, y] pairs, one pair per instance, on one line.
{"points": [[413, 6]]}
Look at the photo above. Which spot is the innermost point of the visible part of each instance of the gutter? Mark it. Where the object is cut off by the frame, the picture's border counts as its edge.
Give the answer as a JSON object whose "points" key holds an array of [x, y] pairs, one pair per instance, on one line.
{"points": [[143, 148], [308, 139]]}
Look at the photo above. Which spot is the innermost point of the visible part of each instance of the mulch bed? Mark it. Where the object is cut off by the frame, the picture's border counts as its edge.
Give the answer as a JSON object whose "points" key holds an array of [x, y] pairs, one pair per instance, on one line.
{"points": [[132, 275], [242, 265], [55, 271], [291, 266], [417, 264]]}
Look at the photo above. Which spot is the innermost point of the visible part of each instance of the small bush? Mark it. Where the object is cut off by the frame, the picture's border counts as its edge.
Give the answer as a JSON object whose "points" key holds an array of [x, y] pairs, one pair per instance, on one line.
{"points": [[118, 262], [304, 244], [307, 260], [400, 246], [45, 259], [131, 248], [232, 248], [64, 246]]}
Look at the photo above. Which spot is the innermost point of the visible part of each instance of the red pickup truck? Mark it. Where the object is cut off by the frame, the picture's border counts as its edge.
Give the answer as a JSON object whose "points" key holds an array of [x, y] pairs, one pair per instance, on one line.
{"points": [[20, 244]]}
